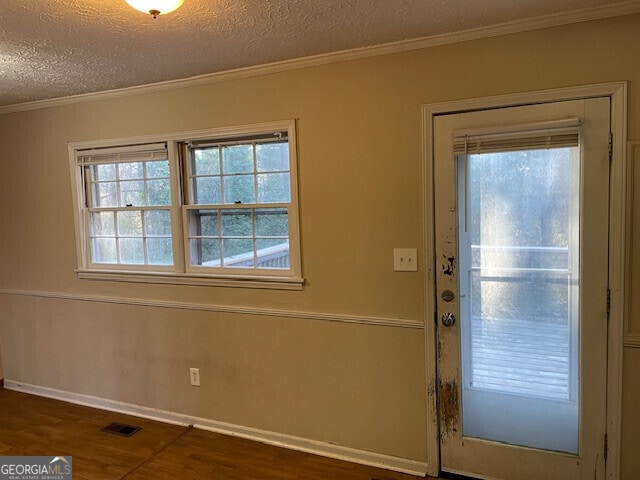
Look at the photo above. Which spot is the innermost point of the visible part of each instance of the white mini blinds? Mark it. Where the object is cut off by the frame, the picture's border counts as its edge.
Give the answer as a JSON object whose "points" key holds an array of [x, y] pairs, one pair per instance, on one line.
{"points": [[195, 207], [552, 134]]}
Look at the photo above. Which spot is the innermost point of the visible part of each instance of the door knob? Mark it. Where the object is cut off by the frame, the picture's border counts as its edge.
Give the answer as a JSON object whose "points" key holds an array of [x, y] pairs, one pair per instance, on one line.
{"points": [[448, 319]]}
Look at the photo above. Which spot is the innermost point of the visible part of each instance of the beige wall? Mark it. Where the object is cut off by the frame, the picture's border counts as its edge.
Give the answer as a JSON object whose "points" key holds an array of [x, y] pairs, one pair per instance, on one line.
{"points": [[360, 165]]}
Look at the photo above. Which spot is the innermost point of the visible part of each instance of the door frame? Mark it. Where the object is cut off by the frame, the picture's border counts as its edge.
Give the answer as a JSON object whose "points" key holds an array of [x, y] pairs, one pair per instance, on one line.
{"points": [[617, 91]]}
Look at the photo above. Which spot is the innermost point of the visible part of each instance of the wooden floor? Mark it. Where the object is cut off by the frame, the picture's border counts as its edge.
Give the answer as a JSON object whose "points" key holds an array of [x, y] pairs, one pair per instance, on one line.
{"points": [[31, 425]]}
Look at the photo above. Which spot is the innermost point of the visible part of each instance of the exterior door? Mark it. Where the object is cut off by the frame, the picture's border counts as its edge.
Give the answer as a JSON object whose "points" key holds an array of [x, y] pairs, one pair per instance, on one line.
{"points": [[521, 228]]}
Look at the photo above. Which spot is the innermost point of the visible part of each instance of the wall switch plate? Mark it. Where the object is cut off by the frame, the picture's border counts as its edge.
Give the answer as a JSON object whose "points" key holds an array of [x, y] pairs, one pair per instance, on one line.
{"points": [[194, 375], [405, 259]]}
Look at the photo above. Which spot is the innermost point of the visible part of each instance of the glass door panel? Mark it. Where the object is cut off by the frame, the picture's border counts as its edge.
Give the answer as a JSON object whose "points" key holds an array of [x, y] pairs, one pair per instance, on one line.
{"points": [[519, 281]]}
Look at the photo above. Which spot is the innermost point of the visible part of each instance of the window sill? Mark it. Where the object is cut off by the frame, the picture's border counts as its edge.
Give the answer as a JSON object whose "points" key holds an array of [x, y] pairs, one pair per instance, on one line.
{"points": [[271, 283]]}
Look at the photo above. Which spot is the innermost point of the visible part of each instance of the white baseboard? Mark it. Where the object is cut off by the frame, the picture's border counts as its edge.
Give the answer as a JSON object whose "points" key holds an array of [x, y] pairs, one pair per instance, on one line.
{"points": [[339, 452]]}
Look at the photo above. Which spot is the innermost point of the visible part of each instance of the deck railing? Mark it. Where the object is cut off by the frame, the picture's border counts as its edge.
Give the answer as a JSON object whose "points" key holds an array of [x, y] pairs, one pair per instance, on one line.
{"points": [[520, 325], [276, 257]]}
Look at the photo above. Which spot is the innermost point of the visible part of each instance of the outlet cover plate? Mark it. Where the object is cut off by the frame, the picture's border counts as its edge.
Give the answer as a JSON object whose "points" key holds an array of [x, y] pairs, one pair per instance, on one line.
{"points": [[194, 375]]}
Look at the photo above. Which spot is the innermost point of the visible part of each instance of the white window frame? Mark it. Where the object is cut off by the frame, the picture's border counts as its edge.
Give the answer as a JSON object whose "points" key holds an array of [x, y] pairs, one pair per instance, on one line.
{"points": [[181, 272]]}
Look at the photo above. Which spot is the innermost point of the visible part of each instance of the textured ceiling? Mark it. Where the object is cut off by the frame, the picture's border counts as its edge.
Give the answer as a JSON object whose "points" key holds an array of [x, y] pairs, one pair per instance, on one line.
{"points": [[57, 48]]}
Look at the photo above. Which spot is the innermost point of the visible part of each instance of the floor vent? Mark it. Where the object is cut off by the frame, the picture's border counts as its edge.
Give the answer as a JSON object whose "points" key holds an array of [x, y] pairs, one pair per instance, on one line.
{"points": [[120, 429]]}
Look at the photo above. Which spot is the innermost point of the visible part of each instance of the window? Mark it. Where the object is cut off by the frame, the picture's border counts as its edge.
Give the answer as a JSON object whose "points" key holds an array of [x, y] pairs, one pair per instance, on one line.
{"points": [[128, 203], [239, 195], [203, 207]]}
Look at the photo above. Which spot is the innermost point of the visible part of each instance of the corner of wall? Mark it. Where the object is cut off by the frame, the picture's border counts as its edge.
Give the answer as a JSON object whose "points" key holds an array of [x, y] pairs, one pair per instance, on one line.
{"points": [[1, 372]]}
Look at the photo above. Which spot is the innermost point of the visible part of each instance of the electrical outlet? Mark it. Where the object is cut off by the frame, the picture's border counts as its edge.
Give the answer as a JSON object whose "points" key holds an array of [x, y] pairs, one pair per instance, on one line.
{"points": [[194, 374], [405, 259]]}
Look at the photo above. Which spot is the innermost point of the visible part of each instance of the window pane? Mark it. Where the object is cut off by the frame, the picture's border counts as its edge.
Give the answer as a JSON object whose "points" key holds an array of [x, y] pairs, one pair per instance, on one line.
{"points": [[206, 161], [205, 251], [105, 195], [157, 223], [130, 171], [159, 251], [241, 230], [272, 156], [132, 193], [274, 188], [104, 172], [159, 192], [237, 253], [272, 223], [239, 189], [237, 159], [104, 250], [272, 253], [204, 223], [131, 250], [158, 169], [130, 224], [207, 191], [237, 223], [103, 223]]}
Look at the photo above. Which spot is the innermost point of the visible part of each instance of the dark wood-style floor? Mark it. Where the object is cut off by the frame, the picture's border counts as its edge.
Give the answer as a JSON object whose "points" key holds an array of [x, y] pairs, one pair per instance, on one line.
{"points": [[31, 425]]}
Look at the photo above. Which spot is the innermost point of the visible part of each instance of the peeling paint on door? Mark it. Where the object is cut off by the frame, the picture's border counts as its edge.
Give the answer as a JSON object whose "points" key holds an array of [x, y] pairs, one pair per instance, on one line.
{"points": [[449, 406], [449, 266]]}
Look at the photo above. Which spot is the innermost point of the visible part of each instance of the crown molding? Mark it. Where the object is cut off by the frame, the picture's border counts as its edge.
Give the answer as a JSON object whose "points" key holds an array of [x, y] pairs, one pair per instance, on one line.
{"points": [[535, 23]]}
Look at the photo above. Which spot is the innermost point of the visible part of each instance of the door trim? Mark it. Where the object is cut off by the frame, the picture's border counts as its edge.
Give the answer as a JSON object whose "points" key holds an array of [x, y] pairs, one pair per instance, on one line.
{"points": [[617, 91]]}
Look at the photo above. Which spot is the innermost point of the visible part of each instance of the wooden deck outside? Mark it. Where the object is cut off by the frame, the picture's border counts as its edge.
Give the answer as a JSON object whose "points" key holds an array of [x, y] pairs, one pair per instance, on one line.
{"points": [[522, 356]]}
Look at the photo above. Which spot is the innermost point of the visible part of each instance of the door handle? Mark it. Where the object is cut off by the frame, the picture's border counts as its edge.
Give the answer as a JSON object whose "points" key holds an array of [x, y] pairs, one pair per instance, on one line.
{"points": [[448, 319]]}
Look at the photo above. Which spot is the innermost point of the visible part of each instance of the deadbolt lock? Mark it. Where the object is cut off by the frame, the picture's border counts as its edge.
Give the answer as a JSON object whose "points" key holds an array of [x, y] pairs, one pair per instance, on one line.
{"points": [[448, 296]]}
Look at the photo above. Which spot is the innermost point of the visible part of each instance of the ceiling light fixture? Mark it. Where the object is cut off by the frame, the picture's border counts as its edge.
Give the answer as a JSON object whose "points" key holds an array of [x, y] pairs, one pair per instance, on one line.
{"points": [[155, 7]]}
